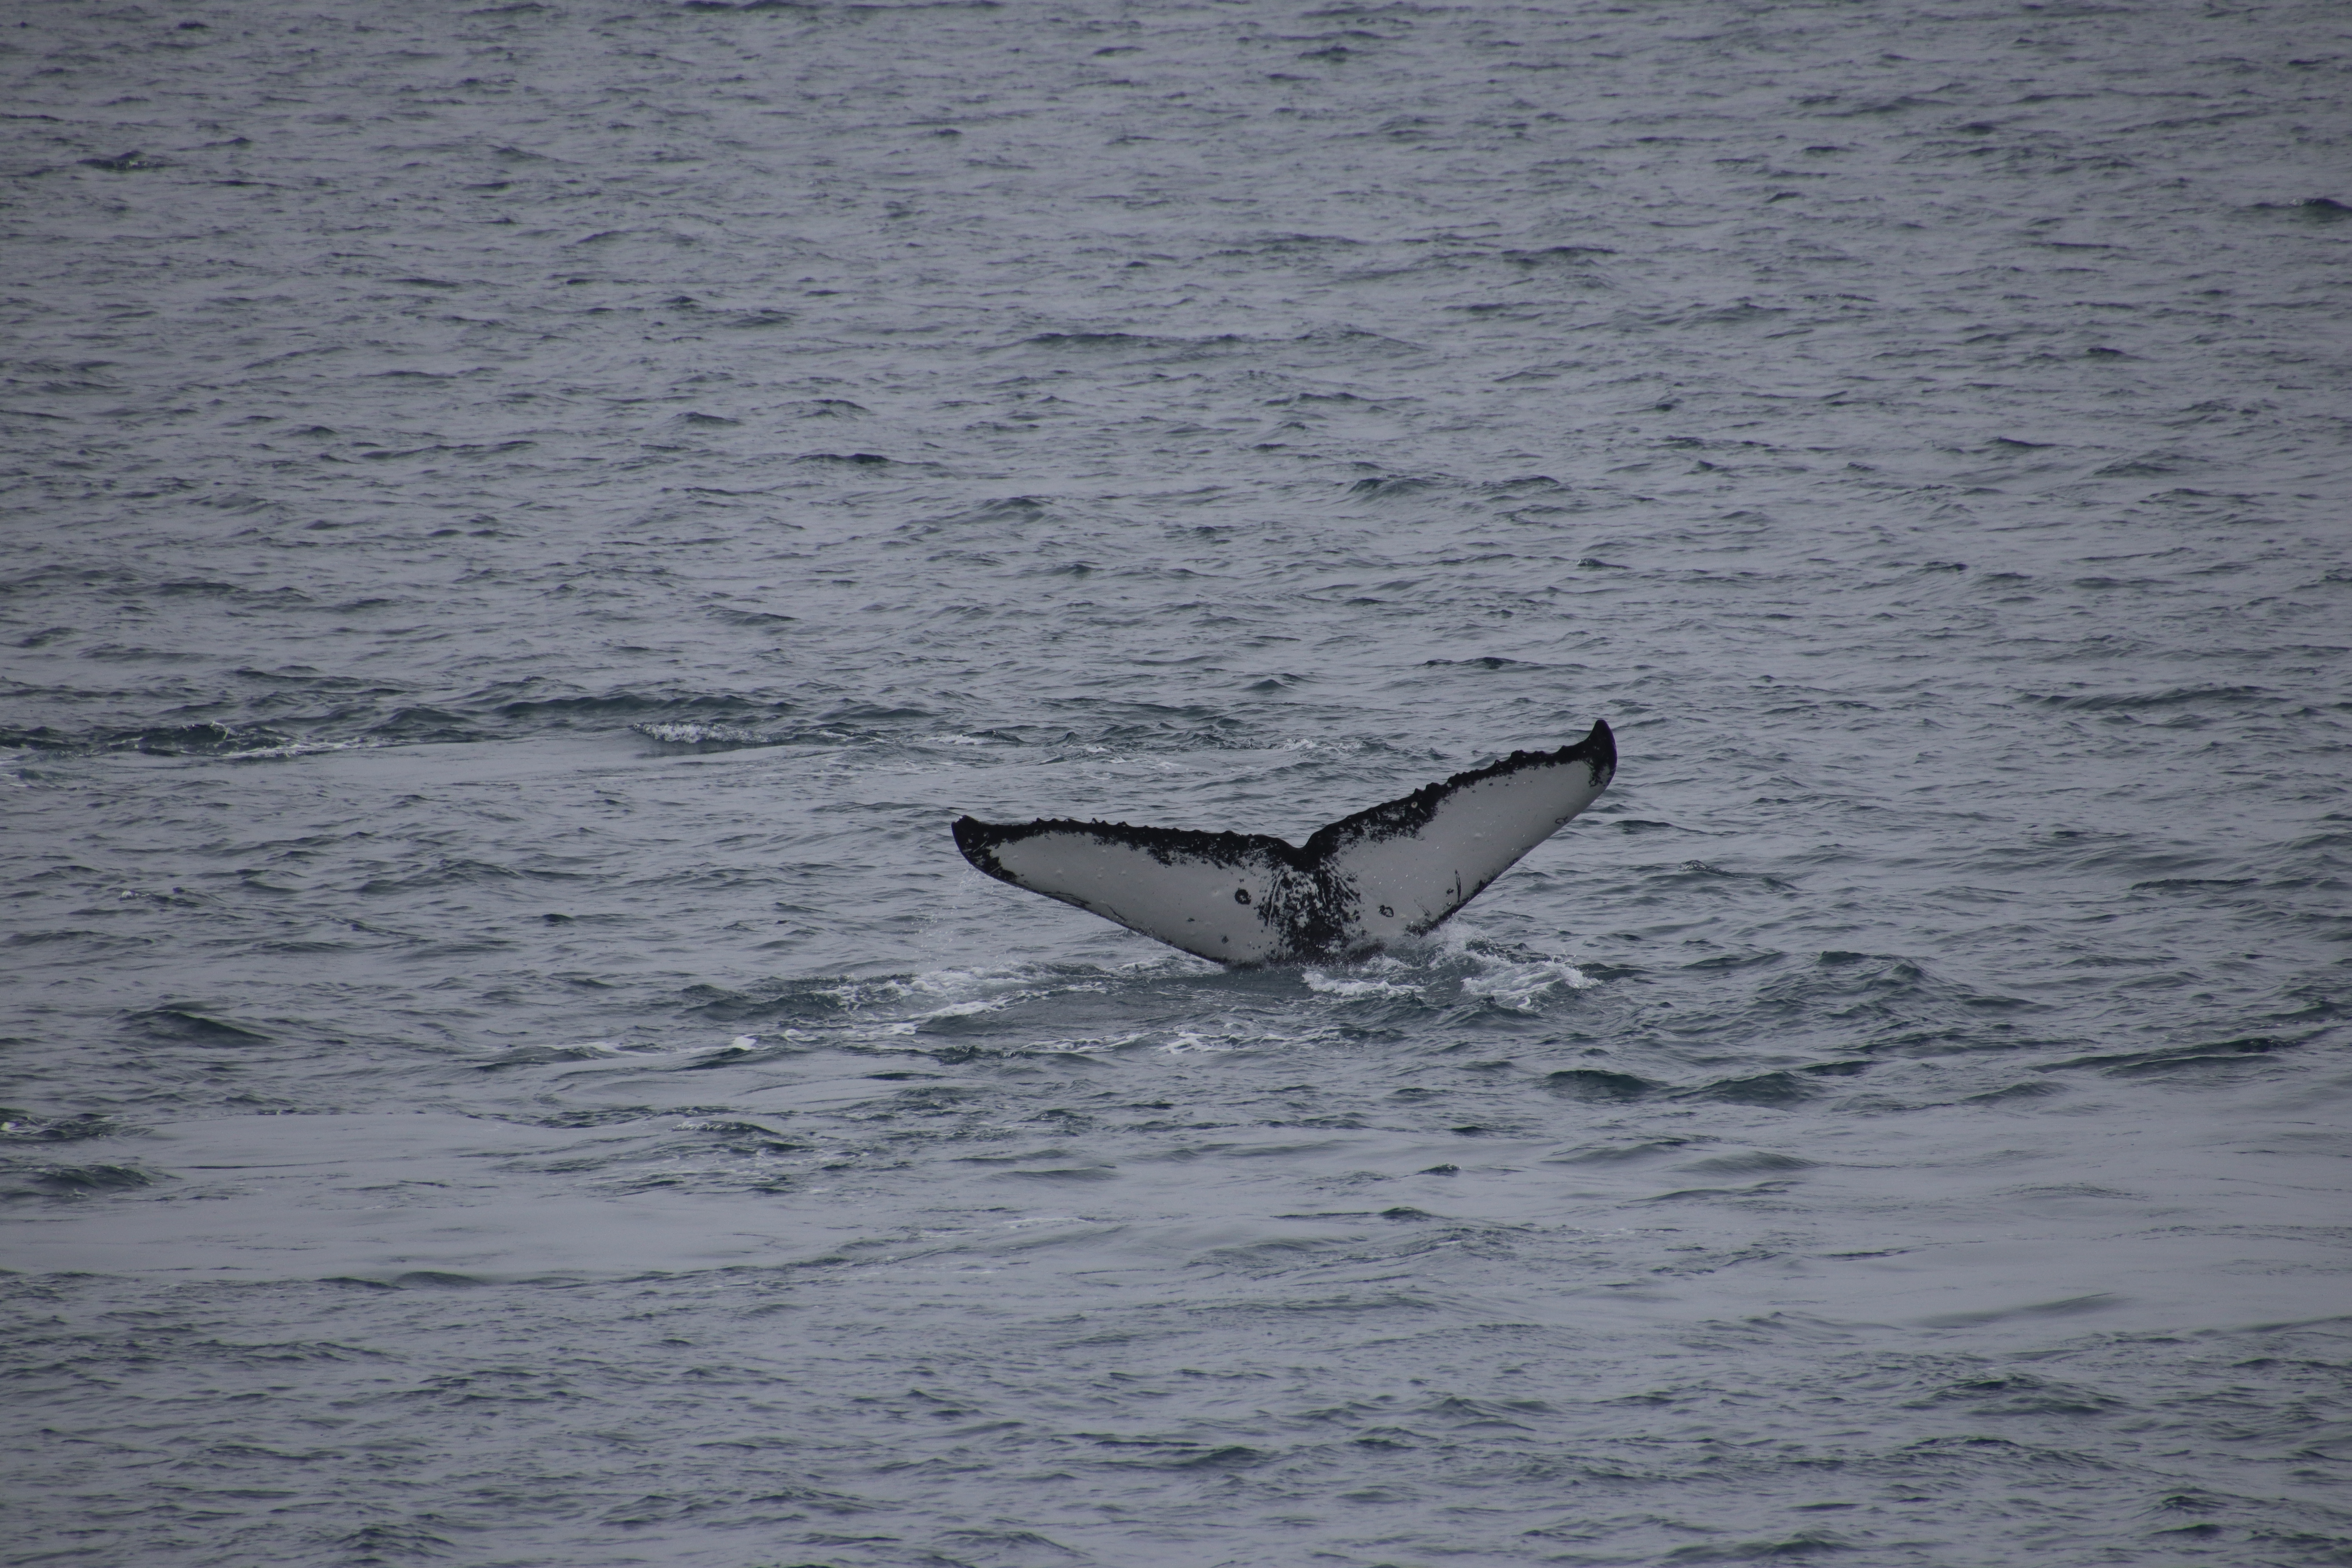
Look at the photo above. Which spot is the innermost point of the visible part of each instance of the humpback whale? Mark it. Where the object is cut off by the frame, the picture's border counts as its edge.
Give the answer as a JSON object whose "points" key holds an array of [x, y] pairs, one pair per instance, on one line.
{"points": [[1248, 898]]}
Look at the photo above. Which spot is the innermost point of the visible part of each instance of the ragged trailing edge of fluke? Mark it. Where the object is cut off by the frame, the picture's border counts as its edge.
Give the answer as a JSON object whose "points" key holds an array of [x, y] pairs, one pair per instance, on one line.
{"points": [[1392, 870]]}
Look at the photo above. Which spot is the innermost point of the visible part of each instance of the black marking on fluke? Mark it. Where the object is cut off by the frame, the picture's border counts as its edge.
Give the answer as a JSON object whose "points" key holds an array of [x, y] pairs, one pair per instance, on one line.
{"points": [[1427, 855]]}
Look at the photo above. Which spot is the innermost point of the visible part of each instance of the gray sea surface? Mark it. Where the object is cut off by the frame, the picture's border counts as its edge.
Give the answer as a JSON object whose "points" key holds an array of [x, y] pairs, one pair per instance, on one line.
{"points": [[524, 525]]}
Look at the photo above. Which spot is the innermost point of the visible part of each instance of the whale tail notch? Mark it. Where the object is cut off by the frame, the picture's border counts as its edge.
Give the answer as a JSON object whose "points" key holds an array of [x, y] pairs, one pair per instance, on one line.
{"points": [[1391, 871]]}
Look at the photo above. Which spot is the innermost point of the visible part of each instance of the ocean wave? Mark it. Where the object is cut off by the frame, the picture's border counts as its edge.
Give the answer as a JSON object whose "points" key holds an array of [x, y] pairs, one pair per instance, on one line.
{"points": [[699, 736]]}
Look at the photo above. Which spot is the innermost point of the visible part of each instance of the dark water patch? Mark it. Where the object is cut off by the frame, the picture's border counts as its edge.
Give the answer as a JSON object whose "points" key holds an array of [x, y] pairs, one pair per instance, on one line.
{"points": [[1726, 960], [304, 677], [874, 713], [44, 636], [478, 450], [820, 999], [732, 1056], [423, 725], [1895, 1002], [194, 1026], [1771, 1088], [2020, 1394], [136, 654], [1802, 1545], [1700, 874], [130, 163], [1013, 1547], [638, 707], [2220, 1053], [458, 872], [1620, 1154], [1310, 399], [202, 740], [1395, 487], [89, 1181], [35, 1129], [1575, 255], [1686, 1195], [1198, 1457], [544, 1056], [2174, 697], [2065, 1307], [1595, 1084], [1103, 342], [754, 620], [389, 1543], [2322, 210], [2014, 1094], [607, 1116], [1760, 1162], [1467, 1414], [37, 939], [2314, 1010]]}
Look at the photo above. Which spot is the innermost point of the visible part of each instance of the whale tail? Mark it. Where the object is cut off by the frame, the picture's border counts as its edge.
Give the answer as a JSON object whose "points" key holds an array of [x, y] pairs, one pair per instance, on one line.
{"points": [[1396, 870]]}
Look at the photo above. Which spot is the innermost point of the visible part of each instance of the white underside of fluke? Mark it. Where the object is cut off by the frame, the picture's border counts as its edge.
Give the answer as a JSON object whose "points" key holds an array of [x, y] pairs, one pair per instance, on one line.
{"points": [[1359, 884]]}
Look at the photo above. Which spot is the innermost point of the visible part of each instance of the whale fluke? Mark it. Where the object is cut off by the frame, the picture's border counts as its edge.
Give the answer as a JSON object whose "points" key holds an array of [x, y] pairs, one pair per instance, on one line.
{"points": [[1394, 870]]}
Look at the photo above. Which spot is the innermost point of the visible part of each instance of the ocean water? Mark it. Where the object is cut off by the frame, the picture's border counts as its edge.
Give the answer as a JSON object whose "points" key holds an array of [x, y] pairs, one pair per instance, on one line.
{"points": [[524, 525]]}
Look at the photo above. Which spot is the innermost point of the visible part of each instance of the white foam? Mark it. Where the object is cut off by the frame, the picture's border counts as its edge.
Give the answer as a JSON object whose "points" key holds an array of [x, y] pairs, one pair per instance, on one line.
{"points": [[695, 734], [1187, 1042], [966, 1009], [1520, 985], [291, 749], [1330, 986]]}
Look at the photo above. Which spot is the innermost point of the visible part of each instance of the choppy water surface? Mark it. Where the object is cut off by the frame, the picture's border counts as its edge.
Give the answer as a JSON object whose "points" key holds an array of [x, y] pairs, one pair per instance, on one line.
{"points": [[525, 524]]}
